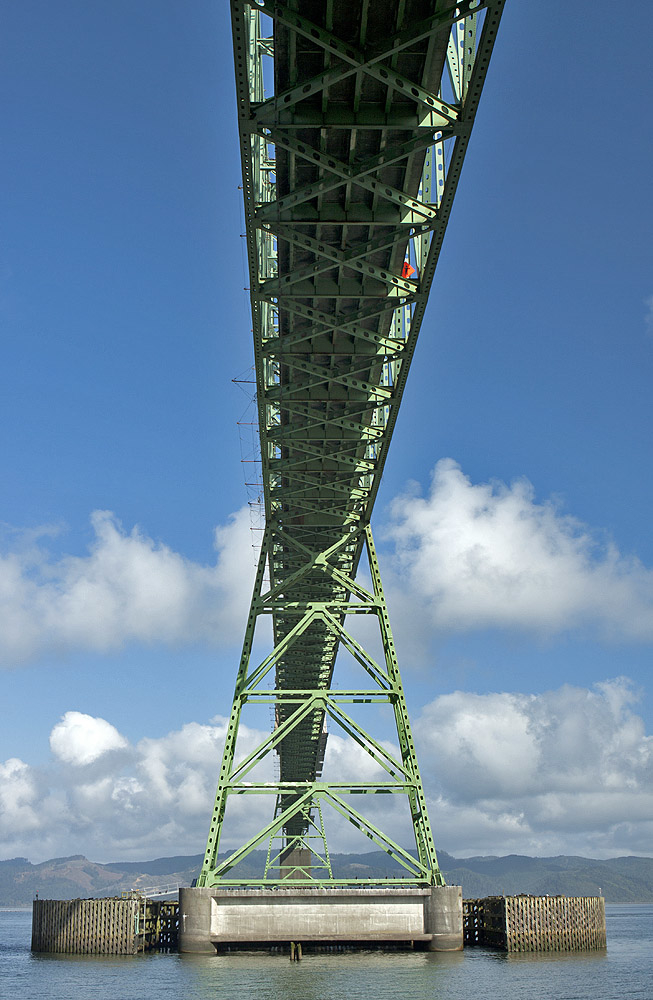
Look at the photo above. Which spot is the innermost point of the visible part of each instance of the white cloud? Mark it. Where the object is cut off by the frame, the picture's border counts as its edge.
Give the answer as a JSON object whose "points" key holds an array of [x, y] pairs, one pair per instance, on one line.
{"points": [[559, 772], [18, 795], [81, 739], [466, 556], [127, 588], [474, 556], [565, 772], [347, 761], [149, 799]]}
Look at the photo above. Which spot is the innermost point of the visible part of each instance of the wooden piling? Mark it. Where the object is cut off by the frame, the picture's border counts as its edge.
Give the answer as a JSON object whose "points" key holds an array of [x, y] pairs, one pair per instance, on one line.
{"points": [[124, 926], [535, 923]]}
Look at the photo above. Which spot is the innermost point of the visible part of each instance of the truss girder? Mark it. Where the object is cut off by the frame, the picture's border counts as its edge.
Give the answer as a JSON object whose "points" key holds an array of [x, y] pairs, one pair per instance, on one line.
{"points": [[333, 212], [308, 632], [354, 119]]}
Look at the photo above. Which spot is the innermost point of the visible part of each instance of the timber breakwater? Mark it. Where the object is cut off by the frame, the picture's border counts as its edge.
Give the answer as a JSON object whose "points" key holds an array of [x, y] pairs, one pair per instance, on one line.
{"points": [[128, 925], [536, 923], [133, 924]]}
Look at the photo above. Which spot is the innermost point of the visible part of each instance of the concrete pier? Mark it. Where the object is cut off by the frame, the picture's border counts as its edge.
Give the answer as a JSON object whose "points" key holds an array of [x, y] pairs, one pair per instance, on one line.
{"points": [[211, 919]]}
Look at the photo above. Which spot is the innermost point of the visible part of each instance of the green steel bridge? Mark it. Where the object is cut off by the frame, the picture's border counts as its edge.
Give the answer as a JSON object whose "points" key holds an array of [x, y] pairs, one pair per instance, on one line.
{"points": [[354, 120]]}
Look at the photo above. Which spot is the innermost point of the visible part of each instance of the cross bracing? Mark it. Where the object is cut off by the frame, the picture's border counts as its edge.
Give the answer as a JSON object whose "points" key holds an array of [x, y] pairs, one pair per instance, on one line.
{"points": [[354, 120]]}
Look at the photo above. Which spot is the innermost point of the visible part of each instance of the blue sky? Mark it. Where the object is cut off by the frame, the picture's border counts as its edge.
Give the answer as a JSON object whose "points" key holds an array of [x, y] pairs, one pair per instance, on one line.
{"points": [[520, 577]]}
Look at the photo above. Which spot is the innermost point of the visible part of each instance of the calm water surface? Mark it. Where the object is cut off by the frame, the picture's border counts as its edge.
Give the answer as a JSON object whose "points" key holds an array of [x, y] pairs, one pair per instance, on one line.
{"points": [[623, 972]]}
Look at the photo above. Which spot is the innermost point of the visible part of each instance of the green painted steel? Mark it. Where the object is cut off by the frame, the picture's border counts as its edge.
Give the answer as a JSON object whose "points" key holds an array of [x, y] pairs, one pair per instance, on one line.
{"points": [[354, 121]]}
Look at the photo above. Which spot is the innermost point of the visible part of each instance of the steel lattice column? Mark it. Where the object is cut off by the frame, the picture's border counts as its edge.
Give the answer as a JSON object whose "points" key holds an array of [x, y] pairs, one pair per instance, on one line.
{"points": [[301, 713]]}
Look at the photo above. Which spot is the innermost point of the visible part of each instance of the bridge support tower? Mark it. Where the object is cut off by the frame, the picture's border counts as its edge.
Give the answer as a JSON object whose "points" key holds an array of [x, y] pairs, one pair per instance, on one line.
{"points": [[354, 119]]}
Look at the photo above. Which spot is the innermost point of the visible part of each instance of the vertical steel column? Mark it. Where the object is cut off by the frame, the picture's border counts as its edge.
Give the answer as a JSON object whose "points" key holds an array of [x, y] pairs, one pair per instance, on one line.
{"points": [[297, 820]]}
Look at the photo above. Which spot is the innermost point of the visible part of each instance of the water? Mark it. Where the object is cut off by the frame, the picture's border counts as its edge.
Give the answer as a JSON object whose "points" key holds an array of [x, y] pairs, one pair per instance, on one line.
{"points": [[623, 972]]}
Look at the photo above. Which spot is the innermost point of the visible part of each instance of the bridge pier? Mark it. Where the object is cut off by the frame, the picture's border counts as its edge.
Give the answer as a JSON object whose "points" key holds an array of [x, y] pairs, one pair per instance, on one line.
{"points": [[212, 918]]}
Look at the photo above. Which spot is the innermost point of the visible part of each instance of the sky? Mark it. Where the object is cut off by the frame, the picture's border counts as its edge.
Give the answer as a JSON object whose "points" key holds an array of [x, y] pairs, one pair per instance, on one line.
{"points": [[513, 522]]}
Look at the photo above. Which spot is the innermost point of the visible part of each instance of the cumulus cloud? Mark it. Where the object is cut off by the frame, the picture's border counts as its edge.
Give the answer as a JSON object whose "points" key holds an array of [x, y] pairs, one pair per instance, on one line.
{"points": [[150, 798], [347, 761], [477, 555], [18, 795], [566, 771], [126, 588], [81, 739], [466, 556]]}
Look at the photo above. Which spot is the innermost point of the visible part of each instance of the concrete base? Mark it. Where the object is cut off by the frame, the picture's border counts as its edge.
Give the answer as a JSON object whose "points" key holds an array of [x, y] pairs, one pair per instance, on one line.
{"points": [[443, 918], [211, 918]]}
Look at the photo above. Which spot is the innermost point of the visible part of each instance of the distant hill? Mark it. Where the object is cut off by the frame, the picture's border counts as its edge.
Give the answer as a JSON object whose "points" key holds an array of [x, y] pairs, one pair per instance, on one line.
{"points": [[620, 880]]}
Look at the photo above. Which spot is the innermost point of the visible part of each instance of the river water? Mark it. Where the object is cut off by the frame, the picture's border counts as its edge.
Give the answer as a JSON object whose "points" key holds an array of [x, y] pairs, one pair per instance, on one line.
{"points": [[623, 972]]}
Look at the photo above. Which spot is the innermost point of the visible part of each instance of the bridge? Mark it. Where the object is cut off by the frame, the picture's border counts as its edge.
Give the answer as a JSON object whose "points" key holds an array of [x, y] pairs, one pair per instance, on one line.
{"points": [[354, 119]]}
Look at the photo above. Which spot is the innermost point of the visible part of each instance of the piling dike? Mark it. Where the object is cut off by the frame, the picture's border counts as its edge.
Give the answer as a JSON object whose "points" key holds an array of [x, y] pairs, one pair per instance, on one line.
{"points": [[124, 926], [535, 923]]}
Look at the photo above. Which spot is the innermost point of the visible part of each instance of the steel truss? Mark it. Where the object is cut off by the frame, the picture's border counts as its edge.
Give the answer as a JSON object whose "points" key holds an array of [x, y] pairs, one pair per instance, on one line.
{"points": [[298, 801], [350, 165]]}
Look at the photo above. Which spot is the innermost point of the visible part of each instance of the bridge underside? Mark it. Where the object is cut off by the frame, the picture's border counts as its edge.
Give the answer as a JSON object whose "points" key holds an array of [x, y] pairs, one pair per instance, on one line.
{"points": [[354, 120]]}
